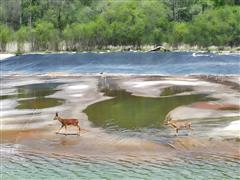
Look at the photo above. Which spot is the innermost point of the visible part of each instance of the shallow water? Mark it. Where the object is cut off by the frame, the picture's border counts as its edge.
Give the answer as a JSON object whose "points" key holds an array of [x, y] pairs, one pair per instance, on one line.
{"points": [[28, 103], [126, 111], [34, 96], [27, 165]]}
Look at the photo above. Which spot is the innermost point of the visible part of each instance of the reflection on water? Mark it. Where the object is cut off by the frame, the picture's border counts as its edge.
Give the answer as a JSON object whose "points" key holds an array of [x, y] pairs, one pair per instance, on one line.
{"points": [[37, 90], [175, 90], [39, 103], [29, 165], [34, 96], [130, 112]]}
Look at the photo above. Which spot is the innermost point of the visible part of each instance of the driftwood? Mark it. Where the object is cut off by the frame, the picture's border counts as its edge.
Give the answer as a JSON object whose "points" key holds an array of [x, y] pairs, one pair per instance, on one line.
{"points": [[159, 48]]}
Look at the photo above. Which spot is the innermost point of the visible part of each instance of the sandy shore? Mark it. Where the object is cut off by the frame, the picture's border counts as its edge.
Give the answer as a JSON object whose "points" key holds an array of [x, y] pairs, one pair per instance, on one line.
{"points": [[5, 56]]}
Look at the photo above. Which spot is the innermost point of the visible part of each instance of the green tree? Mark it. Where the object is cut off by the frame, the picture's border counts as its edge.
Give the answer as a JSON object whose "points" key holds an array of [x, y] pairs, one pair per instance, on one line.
{"points": [[45, 36], [6, 35], [154, 15], [217, 27], [23, 35], [180, 33], [89, 24]]}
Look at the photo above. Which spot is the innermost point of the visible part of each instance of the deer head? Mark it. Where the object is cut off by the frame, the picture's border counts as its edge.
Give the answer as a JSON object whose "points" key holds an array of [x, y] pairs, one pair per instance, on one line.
{"points": [[56, 116], [167, 119], [167, 122]]}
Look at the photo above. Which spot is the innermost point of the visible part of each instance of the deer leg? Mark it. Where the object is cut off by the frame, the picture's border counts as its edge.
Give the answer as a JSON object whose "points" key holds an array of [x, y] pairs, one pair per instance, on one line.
{"points": [[59, 129], [79, 129], [65, 130], [176, 132], [189, 127]]}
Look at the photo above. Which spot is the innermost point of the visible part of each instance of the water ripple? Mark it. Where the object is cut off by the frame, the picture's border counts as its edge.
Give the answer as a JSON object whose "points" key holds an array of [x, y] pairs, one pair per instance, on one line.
{"points": [[183, 166]]}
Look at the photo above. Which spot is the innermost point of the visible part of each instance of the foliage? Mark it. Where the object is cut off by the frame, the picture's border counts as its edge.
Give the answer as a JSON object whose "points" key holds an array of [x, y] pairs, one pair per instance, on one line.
{"points": [[217, 27], [89, 24], [45, 35], [5, 36]]}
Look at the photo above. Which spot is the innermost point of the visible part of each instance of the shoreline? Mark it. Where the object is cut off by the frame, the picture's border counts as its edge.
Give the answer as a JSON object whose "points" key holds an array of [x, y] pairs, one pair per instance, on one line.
{"points": [[195, 51]]}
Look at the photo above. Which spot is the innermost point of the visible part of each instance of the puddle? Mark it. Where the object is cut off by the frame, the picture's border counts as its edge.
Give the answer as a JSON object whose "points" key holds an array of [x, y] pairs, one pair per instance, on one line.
{"points": [[173, 90], [34, 96], [39, 103], [132, 112]]}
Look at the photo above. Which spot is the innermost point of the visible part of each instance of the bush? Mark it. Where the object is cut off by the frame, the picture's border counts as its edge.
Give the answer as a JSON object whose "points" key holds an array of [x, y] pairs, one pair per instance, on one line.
{"points": [[6, 35]]}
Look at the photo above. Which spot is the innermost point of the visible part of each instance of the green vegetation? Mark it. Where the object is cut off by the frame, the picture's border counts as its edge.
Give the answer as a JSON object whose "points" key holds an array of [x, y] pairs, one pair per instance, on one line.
{"points": [[96, 24]]}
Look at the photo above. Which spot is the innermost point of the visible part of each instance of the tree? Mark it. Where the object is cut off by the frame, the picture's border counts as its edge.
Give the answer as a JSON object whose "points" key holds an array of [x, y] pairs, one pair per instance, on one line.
{"points": [[45, 35], [154, 15], [179, 33], [6, 35], [217, 27], [7, 16], [90, 24], [23, 35]]}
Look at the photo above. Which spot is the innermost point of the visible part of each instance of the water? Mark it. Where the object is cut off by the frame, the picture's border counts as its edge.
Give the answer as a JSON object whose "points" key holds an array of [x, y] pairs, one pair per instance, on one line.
{"points": [[110, 148], [126, 111], [186, 166], [167, 63], [34, 96]]}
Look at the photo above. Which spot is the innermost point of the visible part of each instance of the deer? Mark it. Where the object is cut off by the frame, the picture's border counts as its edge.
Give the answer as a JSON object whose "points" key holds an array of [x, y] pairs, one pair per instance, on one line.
{"points": [[178, 124], [67, 122]]}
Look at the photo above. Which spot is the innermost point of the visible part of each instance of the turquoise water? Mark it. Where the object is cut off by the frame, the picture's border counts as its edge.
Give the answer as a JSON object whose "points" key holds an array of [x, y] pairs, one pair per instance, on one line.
{"points": [[184, 166]]}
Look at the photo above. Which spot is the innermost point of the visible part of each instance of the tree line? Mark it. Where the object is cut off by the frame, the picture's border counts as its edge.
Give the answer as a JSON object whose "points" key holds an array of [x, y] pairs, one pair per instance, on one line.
{"points": [[96, 24]]}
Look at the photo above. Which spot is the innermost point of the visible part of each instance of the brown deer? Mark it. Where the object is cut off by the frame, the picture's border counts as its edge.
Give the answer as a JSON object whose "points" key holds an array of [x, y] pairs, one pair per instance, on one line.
{"points": [[178, 124], [67, 122]]}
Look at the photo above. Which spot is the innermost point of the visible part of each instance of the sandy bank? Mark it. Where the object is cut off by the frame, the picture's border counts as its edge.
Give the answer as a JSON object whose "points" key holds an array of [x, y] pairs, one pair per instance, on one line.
{"points": [[5, 56]]}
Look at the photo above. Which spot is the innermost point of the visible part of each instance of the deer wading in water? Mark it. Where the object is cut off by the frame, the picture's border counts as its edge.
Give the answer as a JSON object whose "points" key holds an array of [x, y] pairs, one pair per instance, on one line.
{"points": [[67, 122], [178, 124]]}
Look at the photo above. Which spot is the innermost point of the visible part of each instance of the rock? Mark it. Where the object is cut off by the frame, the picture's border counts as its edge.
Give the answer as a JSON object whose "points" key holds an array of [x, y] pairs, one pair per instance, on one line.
{"points": [[159, 48]]}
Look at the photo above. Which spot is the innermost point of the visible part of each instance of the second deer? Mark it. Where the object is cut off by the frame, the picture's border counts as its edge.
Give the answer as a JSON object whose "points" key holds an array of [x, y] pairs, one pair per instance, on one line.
{"points": [[67, 122], [178, 124]]}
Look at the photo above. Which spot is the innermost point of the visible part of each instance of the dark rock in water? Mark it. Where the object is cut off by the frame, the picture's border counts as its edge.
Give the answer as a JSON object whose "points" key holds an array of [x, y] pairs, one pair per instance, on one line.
{"points": [[126, 49], [159, 48]]}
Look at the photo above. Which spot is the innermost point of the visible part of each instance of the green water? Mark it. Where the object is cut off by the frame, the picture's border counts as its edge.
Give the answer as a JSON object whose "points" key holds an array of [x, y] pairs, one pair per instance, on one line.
{"points": [[39, 103], [175, 90], [34, 96], [130, 112]]}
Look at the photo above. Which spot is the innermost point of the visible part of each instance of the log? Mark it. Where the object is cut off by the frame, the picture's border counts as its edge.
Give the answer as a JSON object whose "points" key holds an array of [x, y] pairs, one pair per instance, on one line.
{"points": [[159, 48]]}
